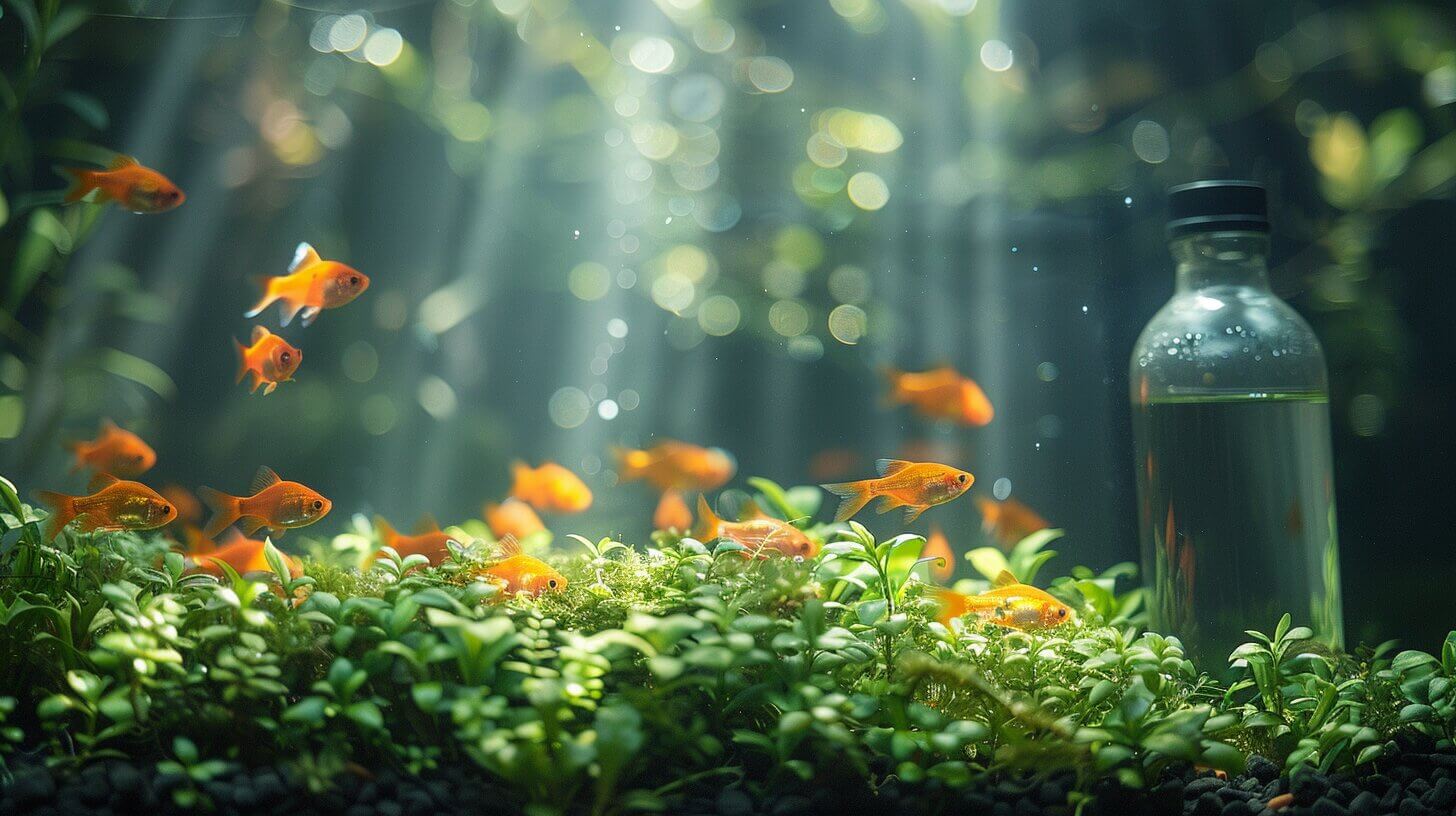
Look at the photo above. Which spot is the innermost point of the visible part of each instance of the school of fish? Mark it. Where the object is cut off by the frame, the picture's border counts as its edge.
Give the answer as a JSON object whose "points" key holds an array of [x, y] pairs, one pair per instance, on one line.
{"points": [[671, 467]]}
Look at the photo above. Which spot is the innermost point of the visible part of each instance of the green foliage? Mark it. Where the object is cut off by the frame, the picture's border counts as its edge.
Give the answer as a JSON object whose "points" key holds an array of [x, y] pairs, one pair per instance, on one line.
{"points": [[653, 669]]}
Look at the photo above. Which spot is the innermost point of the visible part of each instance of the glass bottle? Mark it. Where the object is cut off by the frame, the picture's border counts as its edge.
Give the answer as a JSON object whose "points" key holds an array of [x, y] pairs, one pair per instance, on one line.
{"points": [[1231, 424]]}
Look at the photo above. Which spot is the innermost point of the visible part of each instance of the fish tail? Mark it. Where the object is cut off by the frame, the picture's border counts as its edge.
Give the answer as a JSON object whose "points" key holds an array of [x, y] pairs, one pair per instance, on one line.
{"points": [[896, 394], [269, 296], [242, 360], [83, 181], [627, 466], [853, 496], [521, 480], [63, 512], [387, 534], [225, 510], [708, 521]]}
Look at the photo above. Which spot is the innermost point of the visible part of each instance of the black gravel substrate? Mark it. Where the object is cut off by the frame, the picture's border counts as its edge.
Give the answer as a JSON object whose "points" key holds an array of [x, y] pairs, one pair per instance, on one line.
{"points": [[1416, 782]]}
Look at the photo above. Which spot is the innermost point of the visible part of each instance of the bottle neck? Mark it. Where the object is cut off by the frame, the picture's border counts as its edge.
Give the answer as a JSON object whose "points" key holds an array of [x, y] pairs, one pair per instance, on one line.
{"points": [[1208, 259]]}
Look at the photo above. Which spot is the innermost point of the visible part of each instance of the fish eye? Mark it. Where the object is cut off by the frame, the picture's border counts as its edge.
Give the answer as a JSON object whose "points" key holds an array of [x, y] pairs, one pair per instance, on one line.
{"points": [[318, 505], [1061, 613], [353, 280], [285, 357], [551, 583], [961, 478]]}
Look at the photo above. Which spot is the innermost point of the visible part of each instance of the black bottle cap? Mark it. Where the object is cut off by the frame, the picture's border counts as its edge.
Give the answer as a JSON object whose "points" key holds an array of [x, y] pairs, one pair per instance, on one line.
{"points": [[1217, 205]]}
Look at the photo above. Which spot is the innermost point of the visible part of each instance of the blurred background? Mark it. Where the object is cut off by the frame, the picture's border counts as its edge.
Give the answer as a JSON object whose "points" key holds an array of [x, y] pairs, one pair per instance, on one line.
{"points": [[594, 223]]}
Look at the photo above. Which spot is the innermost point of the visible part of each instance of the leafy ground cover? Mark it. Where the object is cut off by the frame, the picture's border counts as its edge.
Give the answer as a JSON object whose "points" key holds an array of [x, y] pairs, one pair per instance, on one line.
{"points": [[672, 676]]}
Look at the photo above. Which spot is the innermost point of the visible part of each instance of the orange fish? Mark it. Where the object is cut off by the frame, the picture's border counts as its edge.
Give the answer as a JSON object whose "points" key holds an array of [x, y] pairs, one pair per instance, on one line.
{"points": [[269, 359], [311, 285], [189, 509], [114, 450], [518, 572], [1009, 603], [550, 487], [512, 517], [941, 393], [1008, 521], [674, 465], [193, 541], [938, 547], [274, 503], [244, 555], [759, 536], [916, 486], [431, 541], [113, 505], [672, 513], [137, 188]]}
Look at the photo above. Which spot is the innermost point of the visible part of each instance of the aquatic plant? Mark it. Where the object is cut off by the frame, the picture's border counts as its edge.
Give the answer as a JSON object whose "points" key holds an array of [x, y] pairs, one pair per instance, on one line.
{"points": [[655, 671]]}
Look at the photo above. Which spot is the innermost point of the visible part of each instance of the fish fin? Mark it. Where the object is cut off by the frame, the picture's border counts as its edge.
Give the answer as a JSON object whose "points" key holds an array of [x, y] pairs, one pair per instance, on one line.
{"points": [[231, 535], [257, 382], [290, 310], [708, 521], [896, 394], [108, 426], [83, 181], [259, 332], [63, 512], [310, 314], [268, 298], [1004, 578], [242, 352], [302, 256], [913, 512], [887, 503], [889, 467], [252, 524], [121, 160], [101, 481], [263, 479], [427, 524], [387, 533], [853, 497], [509, 546], [225, 510], [268, 389]]}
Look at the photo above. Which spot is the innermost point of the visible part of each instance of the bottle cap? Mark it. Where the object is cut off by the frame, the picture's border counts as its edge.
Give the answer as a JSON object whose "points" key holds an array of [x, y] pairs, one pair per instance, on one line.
{"points": [[1217, 205]]}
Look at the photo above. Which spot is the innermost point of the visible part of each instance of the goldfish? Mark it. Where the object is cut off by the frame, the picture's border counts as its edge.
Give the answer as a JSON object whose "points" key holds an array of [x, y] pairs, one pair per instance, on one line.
{"points": [[518, 572], [311, 285], [270, 359], [550, 487], [189, 509], [1008, 521], [125, 181], [938, 547], [674, 465], [244, 555], [512, 517], [916, 486], [941, 393], [759, 536], [114, 504], [193, 541], [430, 541], [672, 513], [274, 503], [114, 450], [1009, 603]]}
